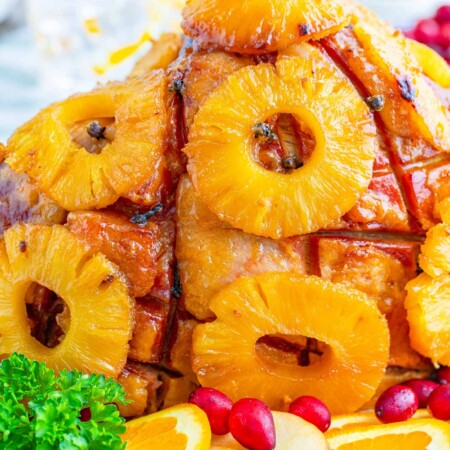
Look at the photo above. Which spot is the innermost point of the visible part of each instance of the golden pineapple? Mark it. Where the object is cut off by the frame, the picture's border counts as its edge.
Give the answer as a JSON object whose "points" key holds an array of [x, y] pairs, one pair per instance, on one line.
{"points": [[77, 177], [348, 323], [101, 312], [299, 201], [261, 26], [163, 52], [428, 301], [386, 66], [434, 258], [428, 305]]}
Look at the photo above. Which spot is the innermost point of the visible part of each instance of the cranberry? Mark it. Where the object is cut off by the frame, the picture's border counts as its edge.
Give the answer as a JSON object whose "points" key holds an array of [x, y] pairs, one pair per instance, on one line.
{"points": [[396, 404], [410, 34], [216, 405], [427, 31], [422, 388], [443, 376], [439, 402], [443, 14], [313, 411], [252, 425], [85, 415], [444, 35]]}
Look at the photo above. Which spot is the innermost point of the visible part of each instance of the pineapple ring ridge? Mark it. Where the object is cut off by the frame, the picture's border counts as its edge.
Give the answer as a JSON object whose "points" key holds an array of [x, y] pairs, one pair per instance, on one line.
{"points": [[100, 307], [275, 204], [76, 179], [225, 356]]}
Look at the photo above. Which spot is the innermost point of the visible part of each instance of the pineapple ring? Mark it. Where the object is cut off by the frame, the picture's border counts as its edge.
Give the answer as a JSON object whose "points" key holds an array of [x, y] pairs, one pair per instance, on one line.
{"points": [[428, 299], [76, 179], [428, 308], [412, 106], [264, 25], [225, 357], [100, 307], [434, 257], [274, 204]]}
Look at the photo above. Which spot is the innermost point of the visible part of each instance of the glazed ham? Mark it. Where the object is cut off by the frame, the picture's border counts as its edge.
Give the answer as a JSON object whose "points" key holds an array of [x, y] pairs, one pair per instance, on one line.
{"points": [[172, 243]]}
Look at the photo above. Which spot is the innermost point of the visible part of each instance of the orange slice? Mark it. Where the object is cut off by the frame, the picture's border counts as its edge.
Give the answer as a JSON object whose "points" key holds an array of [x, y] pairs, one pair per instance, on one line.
{"points": [[346, 421], [291, 431], [183, 427], [413, 435]]}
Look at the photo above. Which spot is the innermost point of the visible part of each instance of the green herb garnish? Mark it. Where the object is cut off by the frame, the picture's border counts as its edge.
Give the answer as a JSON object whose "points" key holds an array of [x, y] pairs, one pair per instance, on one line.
{"points": [[42, 410]]}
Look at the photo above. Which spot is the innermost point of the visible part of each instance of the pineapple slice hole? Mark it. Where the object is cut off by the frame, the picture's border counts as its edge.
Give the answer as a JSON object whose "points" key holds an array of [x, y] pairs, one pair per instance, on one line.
{"points": [[282, 143], [290, 350], [48, 315], [94, 134]]}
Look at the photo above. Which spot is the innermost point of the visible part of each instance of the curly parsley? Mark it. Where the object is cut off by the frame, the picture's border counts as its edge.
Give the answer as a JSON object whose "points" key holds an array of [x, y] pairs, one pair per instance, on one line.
{"points": [[40, 409]]}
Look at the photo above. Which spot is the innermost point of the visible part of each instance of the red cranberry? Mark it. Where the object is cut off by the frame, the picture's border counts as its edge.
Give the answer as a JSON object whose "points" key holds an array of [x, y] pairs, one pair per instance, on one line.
{"points": [[313, 411], [85, 415], [444, 35], [443, 14], [410, 34], [439, 402], [422, 388], [443, 376], [216, 405], [427, 31], [396, 404], [251, 424]]}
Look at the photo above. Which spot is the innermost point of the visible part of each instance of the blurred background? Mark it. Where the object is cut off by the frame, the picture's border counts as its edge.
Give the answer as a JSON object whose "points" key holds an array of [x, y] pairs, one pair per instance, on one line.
{"points": [[50, 49]]}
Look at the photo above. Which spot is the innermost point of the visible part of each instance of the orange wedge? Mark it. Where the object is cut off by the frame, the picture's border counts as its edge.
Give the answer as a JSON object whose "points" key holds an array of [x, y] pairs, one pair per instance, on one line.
{"points": [[292, 432], [412, 435], [365, 418], [183, 427]]}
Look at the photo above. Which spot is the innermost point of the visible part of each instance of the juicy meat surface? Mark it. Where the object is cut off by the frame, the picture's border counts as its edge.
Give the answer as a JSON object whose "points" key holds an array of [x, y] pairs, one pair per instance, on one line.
{"points": [[206, 71], [374, 247], [21, 202], [151, 323], [421, 170], [134, 248], [211, 254], [381, 270], [142, 384]]}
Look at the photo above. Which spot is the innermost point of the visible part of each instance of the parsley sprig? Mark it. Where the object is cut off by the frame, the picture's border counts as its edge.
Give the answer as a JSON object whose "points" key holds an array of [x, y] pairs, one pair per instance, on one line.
{"points": [[39, 409]]}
